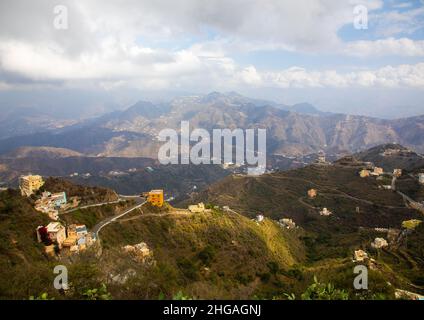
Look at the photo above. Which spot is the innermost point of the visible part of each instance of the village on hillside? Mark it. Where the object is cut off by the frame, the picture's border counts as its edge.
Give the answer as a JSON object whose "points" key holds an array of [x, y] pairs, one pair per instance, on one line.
{"points": [[61, 239], [67, 239], [55, 236]]}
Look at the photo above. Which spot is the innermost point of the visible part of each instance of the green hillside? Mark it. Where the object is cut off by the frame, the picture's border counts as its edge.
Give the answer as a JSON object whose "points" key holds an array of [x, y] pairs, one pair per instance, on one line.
{"points": [[358, 204], [24, 269], [206, 255]]}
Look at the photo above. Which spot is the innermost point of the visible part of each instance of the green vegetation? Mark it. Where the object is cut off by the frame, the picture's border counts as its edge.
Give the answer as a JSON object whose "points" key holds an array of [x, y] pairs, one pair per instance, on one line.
{"points": [[88, 195], [207, 255], [43, 296], [98, 293], [321, 291], [227, 255], [358, 206], [411, 224], [26, 270]]}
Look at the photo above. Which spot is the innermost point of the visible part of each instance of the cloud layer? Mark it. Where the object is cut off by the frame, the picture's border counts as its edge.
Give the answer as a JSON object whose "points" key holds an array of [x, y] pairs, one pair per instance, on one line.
{"points": [[190, 44]]}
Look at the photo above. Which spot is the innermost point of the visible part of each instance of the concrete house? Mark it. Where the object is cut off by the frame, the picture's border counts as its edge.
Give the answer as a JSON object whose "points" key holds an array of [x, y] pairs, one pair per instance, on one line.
{"points": [[197, 208], [312, 193], [397, 172], [325, 212], [287, 223], [154, 197], [30, 184], [364, 173], [377, 171], [379, 243], [56, 232], [421, 178], [360, 256], [58, 199]]}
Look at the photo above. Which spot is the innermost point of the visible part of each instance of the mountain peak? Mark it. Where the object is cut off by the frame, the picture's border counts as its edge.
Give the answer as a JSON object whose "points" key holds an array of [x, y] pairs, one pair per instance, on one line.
{"points": [[145, 109], [305, 107]]}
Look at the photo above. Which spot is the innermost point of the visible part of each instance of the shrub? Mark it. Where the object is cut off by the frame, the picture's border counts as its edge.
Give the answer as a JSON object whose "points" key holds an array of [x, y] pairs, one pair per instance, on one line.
{"points": [[188, 268], [273, 267], [207, 255], [321, 291]]}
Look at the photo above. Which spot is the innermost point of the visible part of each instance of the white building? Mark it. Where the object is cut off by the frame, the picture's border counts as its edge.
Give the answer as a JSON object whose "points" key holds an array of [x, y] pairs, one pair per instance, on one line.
{"points": [[197, 208], [287, 223], [377, 171], [379, 243], [359, 256], [421, 178], [325, 212], [397, 172], [56, 232]]}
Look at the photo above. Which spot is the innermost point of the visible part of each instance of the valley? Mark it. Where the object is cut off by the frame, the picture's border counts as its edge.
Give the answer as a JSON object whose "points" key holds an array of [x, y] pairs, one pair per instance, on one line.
{"points": [[261, 237]]}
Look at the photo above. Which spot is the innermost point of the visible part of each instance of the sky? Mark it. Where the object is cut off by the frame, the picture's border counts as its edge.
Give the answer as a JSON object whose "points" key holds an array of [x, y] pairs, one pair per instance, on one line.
{"points": [[350, 56]]}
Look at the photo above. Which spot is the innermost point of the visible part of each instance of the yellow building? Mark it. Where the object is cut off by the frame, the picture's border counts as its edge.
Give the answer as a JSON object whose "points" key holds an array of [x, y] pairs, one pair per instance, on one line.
{"points": [[30, 184], [364, 173], [155, 197]]}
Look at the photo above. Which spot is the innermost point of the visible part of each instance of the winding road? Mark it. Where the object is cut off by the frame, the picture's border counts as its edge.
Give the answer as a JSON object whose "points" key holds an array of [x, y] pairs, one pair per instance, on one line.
{"points": [[92, 205], [99, 226]]}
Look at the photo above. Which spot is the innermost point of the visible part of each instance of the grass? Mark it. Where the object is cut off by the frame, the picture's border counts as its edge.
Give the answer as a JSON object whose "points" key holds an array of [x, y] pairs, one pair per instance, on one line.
{"points": [[211, 255]]}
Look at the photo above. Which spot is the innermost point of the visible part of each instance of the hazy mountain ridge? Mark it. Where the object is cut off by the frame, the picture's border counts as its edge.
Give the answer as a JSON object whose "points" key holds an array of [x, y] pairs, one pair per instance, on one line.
{"points": [[41, 152], [133, 132]]}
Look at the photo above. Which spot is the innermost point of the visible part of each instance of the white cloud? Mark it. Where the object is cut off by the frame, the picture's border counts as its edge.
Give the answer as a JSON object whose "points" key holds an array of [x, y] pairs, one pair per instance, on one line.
{"points": [[138, 44], [384, 47], [141, 67], [399, 76], [395, 22]]}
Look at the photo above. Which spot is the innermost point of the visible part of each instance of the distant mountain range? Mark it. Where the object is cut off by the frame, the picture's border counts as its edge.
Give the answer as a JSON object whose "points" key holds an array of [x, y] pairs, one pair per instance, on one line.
{"points": [[291, 130]]}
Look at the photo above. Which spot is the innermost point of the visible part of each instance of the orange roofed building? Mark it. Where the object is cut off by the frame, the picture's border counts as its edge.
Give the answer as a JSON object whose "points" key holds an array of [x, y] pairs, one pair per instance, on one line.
{"points": [[155, 197]]}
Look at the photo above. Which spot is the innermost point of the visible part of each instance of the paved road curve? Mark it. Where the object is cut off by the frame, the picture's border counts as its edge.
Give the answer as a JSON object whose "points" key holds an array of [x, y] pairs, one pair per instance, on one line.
{"points": [[96, 229]]}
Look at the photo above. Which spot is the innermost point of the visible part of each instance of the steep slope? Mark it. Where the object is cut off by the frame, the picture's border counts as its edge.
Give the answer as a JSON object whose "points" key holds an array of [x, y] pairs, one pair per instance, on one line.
{"points": [[358, 206], [206, 255], [24, 268]]}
